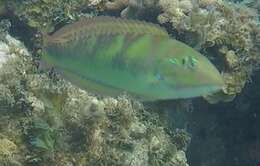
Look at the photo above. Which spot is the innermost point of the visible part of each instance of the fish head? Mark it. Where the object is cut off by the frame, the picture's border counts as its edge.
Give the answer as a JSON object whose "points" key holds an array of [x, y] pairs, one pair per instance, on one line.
{"points": [[187, 73]]}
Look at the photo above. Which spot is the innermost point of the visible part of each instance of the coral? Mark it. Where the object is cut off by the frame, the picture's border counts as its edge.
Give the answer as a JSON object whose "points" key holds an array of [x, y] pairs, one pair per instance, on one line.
{"points": [[133, 8], [161, 151], [179, 159], [8, 151], [252, 4], [44, 15], [7, 147], [4, 49], [47, 121], [181, 139], [94, 2], [116, 5], [52, 122]]}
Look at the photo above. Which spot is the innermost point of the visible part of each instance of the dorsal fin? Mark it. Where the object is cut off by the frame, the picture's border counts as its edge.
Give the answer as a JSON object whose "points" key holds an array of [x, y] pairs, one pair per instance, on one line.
{"points": [[105, 25]]}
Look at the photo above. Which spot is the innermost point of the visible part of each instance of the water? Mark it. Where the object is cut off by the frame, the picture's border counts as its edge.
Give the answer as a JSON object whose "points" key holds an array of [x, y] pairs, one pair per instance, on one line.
{"points": [[46, 120]]}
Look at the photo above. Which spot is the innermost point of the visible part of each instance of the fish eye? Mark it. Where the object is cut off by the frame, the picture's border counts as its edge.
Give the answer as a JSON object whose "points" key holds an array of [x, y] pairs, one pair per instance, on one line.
{"points": [[183, 61], [189, 62]]}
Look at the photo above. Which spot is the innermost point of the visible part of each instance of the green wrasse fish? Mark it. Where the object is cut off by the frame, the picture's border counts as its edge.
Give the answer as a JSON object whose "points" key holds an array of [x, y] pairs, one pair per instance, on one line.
{"points": [[109, 56]]}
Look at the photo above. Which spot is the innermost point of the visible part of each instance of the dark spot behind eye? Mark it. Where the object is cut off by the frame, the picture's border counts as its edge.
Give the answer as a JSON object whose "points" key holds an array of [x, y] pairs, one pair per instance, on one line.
{"points": [[189, 62], [183, 61]]}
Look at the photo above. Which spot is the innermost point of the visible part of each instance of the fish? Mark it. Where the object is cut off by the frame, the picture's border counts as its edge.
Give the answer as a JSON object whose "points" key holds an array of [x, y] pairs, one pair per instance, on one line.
{"points": [[111, 56]]}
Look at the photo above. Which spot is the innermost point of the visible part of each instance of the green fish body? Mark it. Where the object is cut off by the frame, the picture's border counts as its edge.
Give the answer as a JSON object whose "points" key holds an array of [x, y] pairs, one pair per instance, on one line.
{"points": [[110, 56]]}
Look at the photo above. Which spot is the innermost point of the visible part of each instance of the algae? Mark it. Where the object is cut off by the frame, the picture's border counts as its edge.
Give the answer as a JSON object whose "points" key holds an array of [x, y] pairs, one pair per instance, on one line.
{"points": [[56, 123], [47, 121]]}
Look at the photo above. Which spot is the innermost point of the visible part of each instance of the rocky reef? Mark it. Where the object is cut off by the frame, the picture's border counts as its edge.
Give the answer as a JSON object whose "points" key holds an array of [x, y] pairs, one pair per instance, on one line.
{"points": [[47, 121], [44, 15]]}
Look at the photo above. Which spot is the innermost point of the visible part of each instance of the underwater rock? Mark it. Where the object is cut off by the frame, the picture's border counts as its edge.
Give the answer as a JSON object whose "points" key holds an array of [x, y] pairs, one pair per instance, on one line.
{"points": [[4, 53], [206, 3], [174, 11], [8, 152], [133, 8], [53, 122], [252, 4], [7, 148], [5, 42], [44, 15], [116, 5], [94, 2], [136, 8], [179, 159], [10, 50], [138, 130]]}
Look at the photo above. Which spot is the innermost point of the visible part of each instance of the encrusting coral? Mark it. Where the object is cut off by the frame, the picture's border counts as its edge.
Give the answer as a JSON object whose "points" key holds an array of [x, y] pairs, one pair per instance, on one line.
{"points": [[47, 121]]}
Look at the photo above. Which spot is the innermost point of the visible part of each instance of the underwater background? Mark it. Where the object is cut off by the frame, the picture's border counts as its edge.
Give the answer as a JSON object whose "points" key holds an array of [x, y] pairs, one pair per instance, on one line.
{"points": [[46, 120]]}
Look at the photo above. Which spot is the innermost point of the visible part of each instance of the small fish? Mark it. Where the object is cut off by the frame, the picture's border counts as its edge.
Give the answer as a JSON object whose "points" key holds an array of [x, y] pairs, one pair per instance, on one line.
{"points": [[109, 56]]}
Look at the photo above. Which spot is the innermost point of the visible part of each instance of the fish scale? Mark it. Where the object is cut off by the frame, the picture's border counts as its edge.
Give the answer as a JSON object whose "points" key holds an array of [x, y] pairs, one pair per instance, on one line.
{"points": [[106, 25], [108, 55]]}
